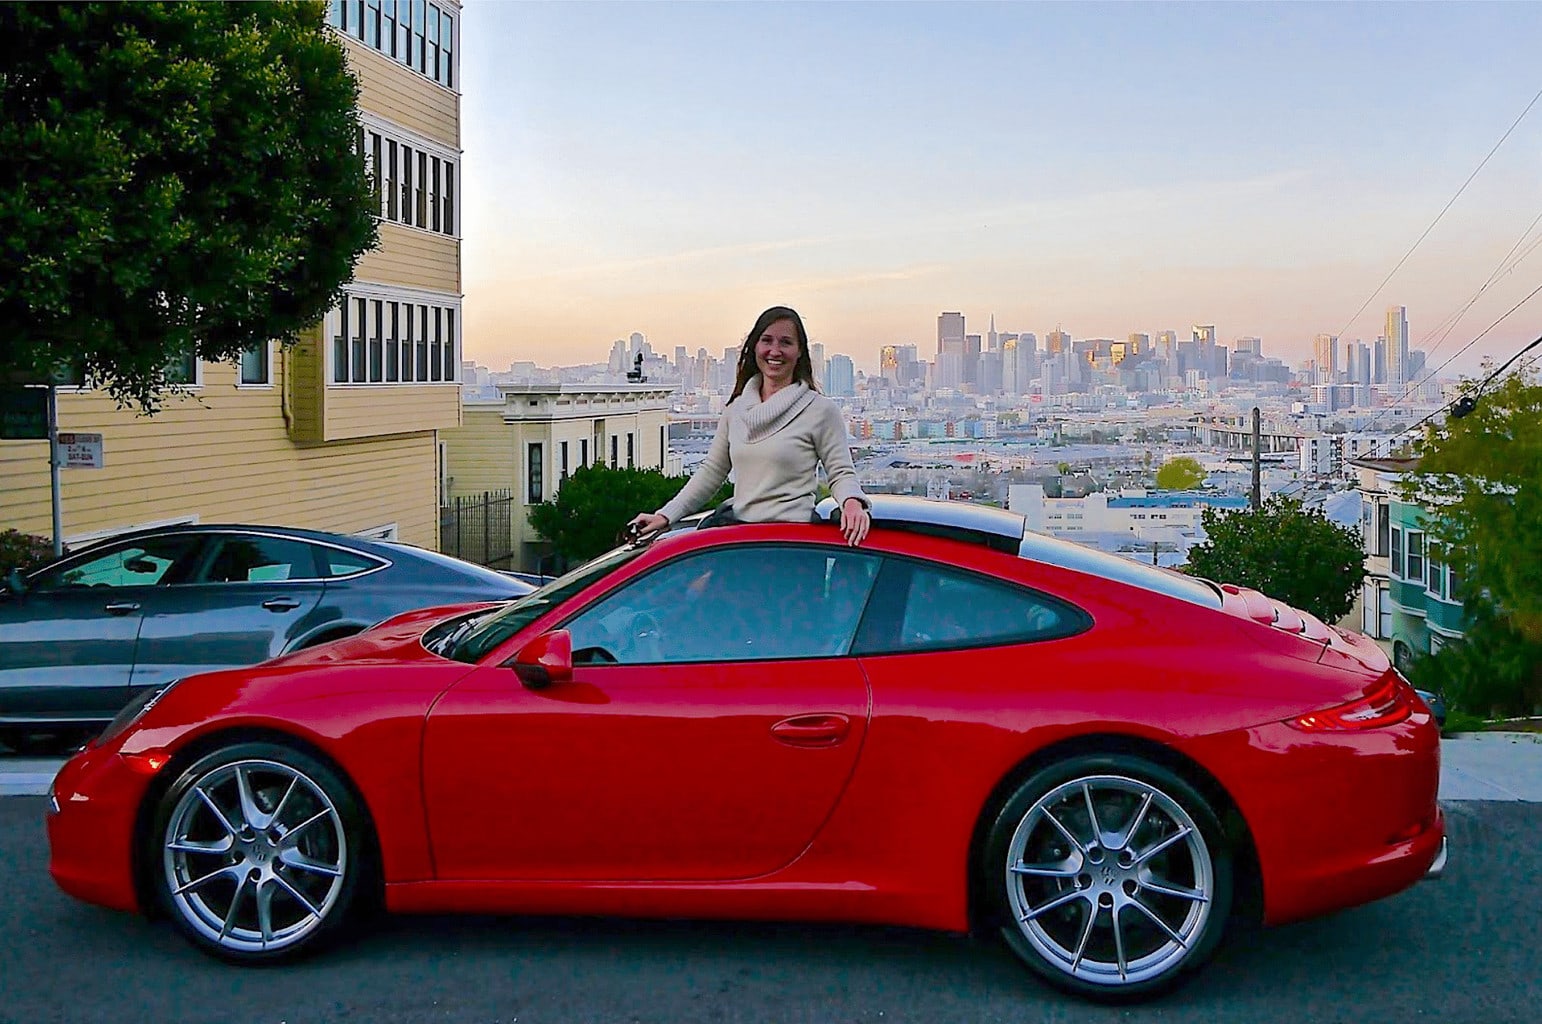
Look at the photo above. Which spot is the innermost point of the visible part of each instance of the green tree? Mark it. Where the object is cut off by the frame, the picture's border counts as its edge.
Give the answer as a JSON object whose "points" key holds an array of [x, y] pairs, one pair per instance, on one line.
{"points": [[176, 179], [1479, 480], [1182, 473], [594, 505], [1285, 550], [23, 551]]}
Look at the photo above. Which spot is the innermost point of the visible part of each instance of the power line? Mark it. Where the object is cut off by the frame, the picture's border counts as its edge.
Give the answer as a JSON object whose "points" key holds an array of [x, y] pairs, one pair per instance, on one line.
{"points": [[1469, 399], [1441, 214]]}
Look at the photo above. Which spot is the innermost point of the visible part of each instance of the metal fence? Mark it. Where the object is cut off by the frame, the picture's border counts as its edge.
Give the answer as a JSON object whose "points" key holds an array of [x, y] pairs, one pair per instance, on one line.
{"points": [[479, 528]]}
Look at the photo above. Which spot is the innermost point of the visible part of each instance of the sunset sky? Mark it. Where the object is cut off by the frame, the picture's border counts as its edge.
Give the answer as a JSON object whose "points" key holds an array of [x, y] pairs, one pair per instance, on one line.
{"points": [[674, 168]]}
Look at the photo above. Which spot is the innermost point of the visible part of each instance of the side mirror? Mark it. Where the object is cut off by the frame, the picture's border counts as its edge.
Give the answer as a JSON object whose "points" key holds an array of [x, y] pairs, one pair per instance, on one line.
{"points": [[546, 660]]}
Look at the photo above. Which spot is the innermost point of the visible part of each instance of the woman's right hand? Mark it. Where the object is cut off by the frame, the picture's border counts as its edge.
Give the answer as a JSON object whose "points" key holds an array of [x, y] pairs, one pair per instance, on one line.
{"points": [[646, 523]]}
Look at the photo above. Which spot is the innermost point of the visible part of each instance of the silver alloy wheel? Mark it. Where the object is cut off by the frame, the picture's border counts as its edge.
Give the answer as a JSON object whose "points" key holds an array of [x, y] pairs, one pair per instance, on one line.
{"points": [[1110, 880], [255, 855]]}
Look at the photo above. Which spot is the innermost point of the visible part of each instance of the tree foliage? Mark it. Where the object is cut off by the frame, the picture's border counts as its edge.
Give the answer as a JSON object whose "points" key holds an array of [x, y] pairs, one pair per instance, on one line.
{"points": [[178, 179], [23, 551], [1182, 473], [1285, 550], [1479, 480], [595, 504]]}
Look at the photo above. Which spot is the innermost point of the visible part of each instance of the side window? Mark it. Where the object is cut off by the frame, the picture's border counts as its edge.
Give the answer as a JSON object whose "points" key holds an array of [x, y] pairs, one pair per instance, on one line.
{"points": [[145, 563], [338, 562], [256, 559], [752, 603], [923, 607]]}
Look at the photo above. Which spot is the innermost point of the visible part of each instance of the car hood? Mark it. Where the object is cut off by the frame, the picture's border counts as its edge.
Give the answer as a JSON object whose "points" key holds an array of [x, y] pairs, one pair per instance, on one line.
{"points": [[396, 639]]}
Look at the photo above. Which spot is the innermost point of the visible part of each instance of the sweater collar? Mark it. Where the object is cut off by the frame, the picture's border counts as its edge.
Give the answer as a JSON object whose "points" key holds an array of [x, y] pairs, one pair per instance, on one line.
{"points": [[756, 420]]}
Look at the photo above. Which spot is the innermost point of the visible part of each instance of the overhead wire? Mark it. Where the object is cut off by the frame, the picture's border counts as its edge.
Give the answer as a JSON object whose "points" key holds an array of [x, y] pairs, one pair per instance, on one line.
{"points": [[1483, 163], [1505, 265]]}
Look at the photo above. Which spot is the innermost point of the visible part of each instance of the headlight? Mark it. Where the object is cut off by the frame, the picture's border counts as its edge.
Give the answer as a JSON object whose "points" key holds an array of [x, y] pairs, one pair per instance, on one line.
{"points": [[143, 702]]}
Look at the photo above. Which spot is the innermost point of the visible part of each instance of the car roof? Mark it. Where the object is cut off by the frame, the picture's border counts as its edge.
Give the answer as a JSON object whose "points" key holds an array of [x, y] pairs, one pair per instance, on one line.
{"points": [[1008, 532]]}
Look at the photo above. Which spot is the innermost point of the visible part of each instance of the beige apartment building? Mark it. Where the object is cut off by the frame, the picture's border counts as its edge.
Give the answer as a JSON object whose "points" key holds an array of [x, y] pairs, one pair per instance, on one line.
{"points": [[340, 432], [533, 436]]}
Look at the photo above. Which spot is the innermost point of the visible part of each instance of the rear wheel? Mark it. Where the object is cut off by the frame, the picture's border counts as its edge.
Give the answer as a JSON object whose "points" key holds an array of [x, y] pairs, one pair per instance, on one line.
{"points": [[1110, 876], [258, 852]]}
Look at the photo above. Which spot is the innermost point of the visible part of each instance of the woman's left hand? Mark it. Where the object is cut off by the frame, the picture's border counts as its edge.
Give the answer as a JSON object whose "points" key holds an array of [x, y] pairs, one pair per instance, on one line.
{"points": [[855, 522]]}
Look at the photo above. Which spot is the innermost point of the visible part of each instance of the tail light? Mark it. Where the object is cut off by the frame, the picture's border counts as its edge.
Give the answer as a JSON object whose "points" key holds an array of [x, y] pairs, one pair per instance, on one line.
{"points": [[1389, 703]]}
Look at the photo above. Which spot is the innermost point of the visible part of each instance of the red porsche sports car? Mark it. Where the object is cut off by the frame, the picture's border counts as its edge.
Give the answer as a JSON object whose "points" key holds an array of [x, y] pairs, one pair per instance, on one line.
{"points": [[957, 725]]}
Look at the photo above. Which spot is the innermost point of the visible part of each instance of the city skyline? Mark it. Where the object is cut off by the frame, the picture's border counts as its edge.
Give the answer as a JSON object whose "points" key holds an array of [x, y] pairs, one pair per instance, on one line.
{"points": [[637, 168]]}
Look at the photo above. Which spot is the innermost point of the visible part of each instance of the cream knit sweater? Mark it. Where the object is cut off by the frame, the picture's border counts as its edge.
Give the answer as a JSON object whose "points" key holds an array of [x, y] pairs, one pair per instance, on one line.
{"points": [[772, 448]]}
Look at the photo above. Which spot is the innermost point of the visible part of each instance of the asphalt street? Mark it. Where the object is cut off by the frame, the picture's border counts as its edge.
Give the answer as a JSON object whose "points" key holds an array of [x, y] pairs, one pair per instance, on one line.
{"points": [[1459, 949]]}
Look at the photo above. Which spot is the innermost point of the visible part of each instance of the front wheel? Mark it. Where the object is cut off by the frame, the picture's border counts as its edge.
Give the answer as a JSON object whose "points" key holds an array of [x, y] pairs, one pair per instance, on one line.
{"points": [[258, 851], [1110, 876]]}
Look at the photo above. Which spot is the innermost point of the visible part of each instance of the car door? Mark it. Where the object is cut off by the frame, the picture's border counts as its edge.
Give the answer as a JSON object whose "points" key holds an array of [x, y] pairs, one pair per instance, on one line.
{"points": [[242, 606], [67, 645], [712, 722]]}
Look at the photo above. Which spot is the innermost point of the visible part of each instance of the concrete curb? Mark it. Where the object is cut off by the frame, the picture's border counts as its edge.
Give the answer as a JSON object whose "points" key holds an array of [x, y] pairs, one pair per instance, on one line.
{"points": [[1495, 736]]}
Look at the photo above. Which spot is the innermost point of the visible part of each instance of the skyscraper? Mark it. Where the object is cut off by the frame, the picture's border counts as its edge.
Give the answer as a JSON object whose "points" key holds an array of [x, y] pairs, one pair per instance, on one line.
{"points": [[950, 333], [1397, 348], [1325, 358], [992, 339], [841, 381], [888, 363]]}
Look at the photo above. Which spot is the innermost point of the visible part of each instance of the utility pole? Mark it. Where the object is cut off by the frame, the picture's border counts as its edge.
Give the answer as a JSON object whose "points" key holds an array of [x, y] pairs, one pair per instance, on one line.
{"points": [[1257, 442]]}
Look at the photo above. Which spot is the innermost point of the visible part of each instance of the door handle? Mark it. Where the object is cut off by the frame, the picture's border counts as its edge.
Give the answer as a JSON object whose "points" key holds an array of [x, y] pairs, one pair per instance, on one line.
{"points": [[281, 604], [121, 607], [812, 730]]}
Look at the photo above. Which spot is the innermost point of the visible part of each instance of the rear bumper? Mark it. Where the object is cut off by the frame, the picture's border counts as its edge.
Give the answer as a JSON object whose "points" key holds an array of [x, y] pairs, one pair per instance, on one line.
{"points": [[1337, 819], [1438, 868]]}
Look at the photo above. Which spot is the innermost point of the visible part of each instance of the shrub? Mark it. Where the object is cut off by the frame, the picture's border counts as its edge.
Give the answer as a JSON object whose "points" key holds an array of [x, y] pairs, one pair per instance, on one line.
{"points": [[23, 551]]}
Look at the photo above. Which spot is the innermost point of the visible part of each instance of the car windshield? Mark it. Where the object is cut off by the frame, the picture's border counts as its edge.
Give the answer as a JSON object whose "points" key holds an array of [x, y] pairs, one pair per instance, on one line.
{"points": [[486, 633]]}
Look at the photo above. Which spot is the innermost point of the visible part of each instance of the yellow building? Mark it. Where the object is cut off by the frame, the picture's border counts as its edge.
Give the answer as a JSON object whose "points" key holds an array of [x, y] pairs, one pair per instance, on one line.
{"points": [[531, 438], [340, 432]]}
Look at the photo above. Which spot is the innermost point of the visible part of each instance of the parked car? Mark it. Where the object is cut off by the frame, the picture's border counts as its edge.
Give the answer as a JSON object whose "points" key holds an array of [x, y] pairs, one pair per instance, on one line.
{"points": [[81, 636], [957, 725]]}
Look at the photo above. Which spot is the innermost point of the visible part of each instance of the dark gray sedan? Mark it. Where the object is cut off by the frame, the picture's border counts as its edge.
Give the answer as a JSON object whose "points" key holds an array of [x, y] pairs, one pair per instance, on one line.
{"points": [[79, 637]]}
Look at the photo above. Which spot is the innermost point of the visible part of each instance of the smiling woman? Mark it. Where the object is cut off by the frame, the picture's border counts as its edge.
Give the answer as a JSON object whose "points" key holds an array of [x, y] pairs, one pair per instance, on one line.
{"points": [[775, 432]]}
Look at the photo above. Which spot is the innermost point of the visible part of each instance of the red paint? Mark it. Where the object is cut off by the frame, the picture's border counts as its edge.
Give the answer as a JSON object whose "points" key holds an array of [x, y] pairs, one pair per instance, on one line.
{"points": [[835, 789]]}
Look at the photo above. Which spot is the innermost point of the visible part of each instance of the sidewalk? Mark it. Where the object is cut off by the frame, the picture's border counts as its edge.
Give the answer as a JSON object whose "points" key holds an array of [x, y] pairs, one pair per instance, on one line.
{"points": [[1492, 766]]}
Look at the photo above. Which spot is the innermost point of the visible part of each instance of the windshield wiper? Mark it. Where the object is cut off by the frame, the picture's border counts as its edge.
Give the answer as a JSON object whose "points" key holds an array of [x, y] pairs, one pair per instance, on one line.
{"points": [[454, 636]]}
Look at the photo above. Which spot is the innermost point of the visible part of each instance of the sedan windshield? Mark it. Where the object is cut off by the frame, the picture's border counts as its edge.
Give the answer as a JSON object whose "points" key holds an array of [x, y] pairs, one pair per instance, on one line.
{"points": [[489, 631]]}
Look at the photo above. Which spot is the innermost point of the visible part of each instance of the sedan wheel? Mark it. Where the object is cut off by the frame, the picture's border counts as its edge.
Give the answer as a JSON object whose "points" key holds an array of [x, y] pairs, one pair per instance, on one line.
{"points": [[1112, 876], [258, 851]]}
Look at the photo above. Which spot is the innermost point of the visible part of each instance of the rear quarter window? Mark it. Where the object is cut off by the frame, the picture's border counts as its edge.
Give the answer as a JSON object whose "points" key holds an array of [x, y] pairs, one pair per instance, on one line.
{"points": [[919, 606]]}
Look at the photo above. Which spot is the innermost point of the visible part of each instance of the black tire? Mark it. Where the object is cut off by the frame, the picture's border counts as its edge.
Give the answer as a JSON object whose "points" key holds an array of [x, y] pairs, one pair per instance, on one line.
{"points": [[1160, 868], [295, 842]]}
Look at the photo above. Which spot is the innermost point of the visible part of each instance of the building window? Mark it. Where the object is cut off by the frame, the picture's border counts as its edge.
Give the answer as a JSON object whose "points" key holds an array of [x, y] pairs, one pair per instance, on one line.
{"points": [[533, 474], [583, 451], [615, 461], [254, 365], [1397, 552], [183, 370], [663, 447], [1415, 541], [1437, 581], [411, 32], [392, 341], [413, 186], [376, 343], [1383, 529], [562, 455], [631, 451]]}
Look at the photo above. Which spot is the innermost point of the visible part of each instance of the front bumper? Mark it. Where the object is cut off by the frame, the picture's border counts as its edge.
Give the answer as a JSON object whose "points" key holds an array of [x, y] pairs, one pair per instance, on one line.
{"points": [[91, 822]]}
